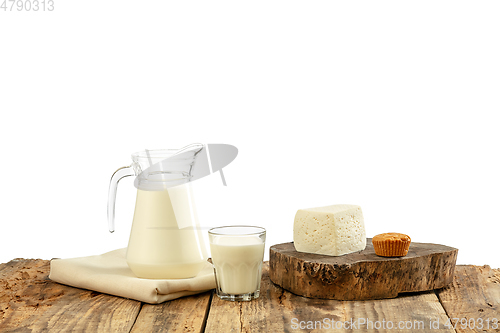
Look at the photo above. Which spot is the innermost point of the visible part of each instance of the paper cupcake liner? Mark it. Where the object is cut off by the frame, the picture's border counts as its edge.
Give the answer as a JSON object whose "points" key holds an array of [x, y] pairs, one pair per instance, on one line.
{"points": [[390, 248]]}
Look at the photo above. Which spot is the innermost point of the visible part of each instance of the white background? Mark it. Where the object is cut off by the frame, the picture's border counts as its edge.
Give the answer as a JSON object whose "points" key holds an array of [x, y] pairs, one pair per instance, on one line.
{"points": [[391, 105]]}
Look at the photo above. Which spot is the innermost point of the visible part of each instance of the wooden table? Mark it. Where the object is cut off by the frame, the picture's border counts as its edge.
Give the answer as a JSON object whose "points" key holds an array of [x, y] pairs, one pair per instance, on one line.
{"points": [[30, 302]]}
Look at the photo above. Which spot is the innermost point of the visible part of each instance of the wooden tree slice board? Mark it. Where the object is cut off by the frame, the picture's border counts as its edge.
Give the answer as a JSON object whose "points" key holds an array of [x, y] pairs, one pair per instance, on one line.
{"points": [[362, 275]]}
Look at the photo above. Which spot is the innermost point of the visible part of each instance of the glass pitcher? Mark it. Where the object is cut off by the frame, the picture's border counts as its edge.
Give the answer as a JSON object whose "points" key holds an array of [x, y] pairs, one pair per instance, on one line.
{"points": [[165, 240]]}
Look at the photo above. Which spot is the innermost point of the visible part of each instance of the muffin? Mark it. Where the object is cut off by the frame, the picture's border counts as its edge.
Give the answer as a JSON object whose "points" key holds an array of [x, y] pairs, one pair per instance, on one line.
{"points": [[391, 244]]}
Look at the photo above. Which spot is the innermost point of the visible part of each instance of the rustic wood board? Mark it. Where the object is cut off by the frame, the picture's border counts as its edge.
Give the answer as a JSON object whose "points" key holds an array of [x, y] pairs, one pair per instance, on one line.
{"points": [[187, 314], [29, 302], [472, 301], [362, 275]]}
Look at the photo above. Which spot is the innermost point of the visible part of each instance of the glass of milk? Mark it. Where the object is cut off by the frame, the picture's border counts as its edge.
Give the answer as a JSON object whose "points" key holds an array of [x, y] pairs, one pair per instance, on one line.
{"points": [[237, 254]]}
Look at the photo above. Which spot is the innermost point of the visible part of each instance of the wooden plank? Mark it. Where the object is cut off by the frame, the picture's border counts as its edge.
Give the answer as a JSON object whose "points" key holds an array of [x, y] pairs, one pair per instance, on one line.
{"points": [[224, 316], [278, 310], [362, 275], [412, 312], [187, 314], [473, 299], [30, 302]]}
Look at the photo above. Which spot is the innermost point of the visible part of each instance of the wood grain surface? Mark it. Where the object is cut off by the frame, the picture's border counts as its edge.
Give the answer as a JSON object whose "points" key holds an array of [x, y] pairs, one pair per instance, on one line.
{"points": [[362, 275], [30, 302], [186, 314], [473, 299], [278, 310]]}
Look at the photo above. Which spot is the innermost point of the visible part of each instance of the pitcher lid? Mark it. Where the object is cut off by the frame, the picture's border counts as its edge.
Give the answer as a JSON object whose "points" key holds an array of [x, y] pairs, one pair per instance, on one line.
{"points": [[186, 165]]}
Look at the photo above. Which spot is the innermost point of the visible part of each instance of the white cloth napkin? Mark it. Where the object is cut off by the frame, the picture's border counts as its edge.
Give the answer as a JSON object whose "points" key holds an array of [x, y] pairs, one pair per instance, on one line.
{"points": [[109, 273]]}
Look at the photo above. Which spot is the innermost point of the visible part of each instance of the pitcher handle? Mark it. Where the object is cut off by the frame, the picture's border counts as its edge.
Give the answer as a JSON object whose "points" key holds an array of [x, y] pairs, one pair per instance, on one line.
{"points": [[113, 185]]}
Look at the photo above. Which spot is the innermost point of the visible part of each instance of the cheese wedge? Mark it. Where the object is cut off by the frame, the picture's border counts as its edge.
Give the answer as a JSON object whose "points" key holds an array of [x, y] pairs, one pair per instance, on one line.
{"points": [[332, 230]]}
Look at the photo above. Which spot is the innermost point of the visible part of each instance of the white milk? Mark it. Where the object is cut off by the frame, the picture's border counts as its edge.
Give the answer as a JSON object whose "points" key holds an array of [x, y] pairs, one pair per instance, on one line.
{"points": [[165, 241], [238, 263]]}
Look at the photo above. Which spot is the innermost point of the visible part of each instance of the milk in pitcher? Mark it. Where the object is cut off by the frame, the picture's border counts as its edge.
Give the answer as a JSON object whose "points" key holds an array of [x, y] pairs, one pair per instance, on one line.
{"points": [[165, 237]]}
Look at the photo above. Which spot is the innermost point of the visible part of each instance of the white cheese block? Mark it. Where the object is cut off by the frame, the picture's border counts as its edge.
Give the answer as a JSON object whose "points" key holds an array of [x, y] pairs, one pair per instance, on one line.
{"points": [[332, 230]]}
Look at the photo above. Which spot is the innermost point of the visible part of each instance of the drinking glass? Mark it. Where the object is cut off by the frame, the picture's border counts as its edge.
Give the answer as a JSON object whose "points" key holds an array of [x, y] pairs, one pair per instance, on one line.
{"points": [[237, 254]]}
